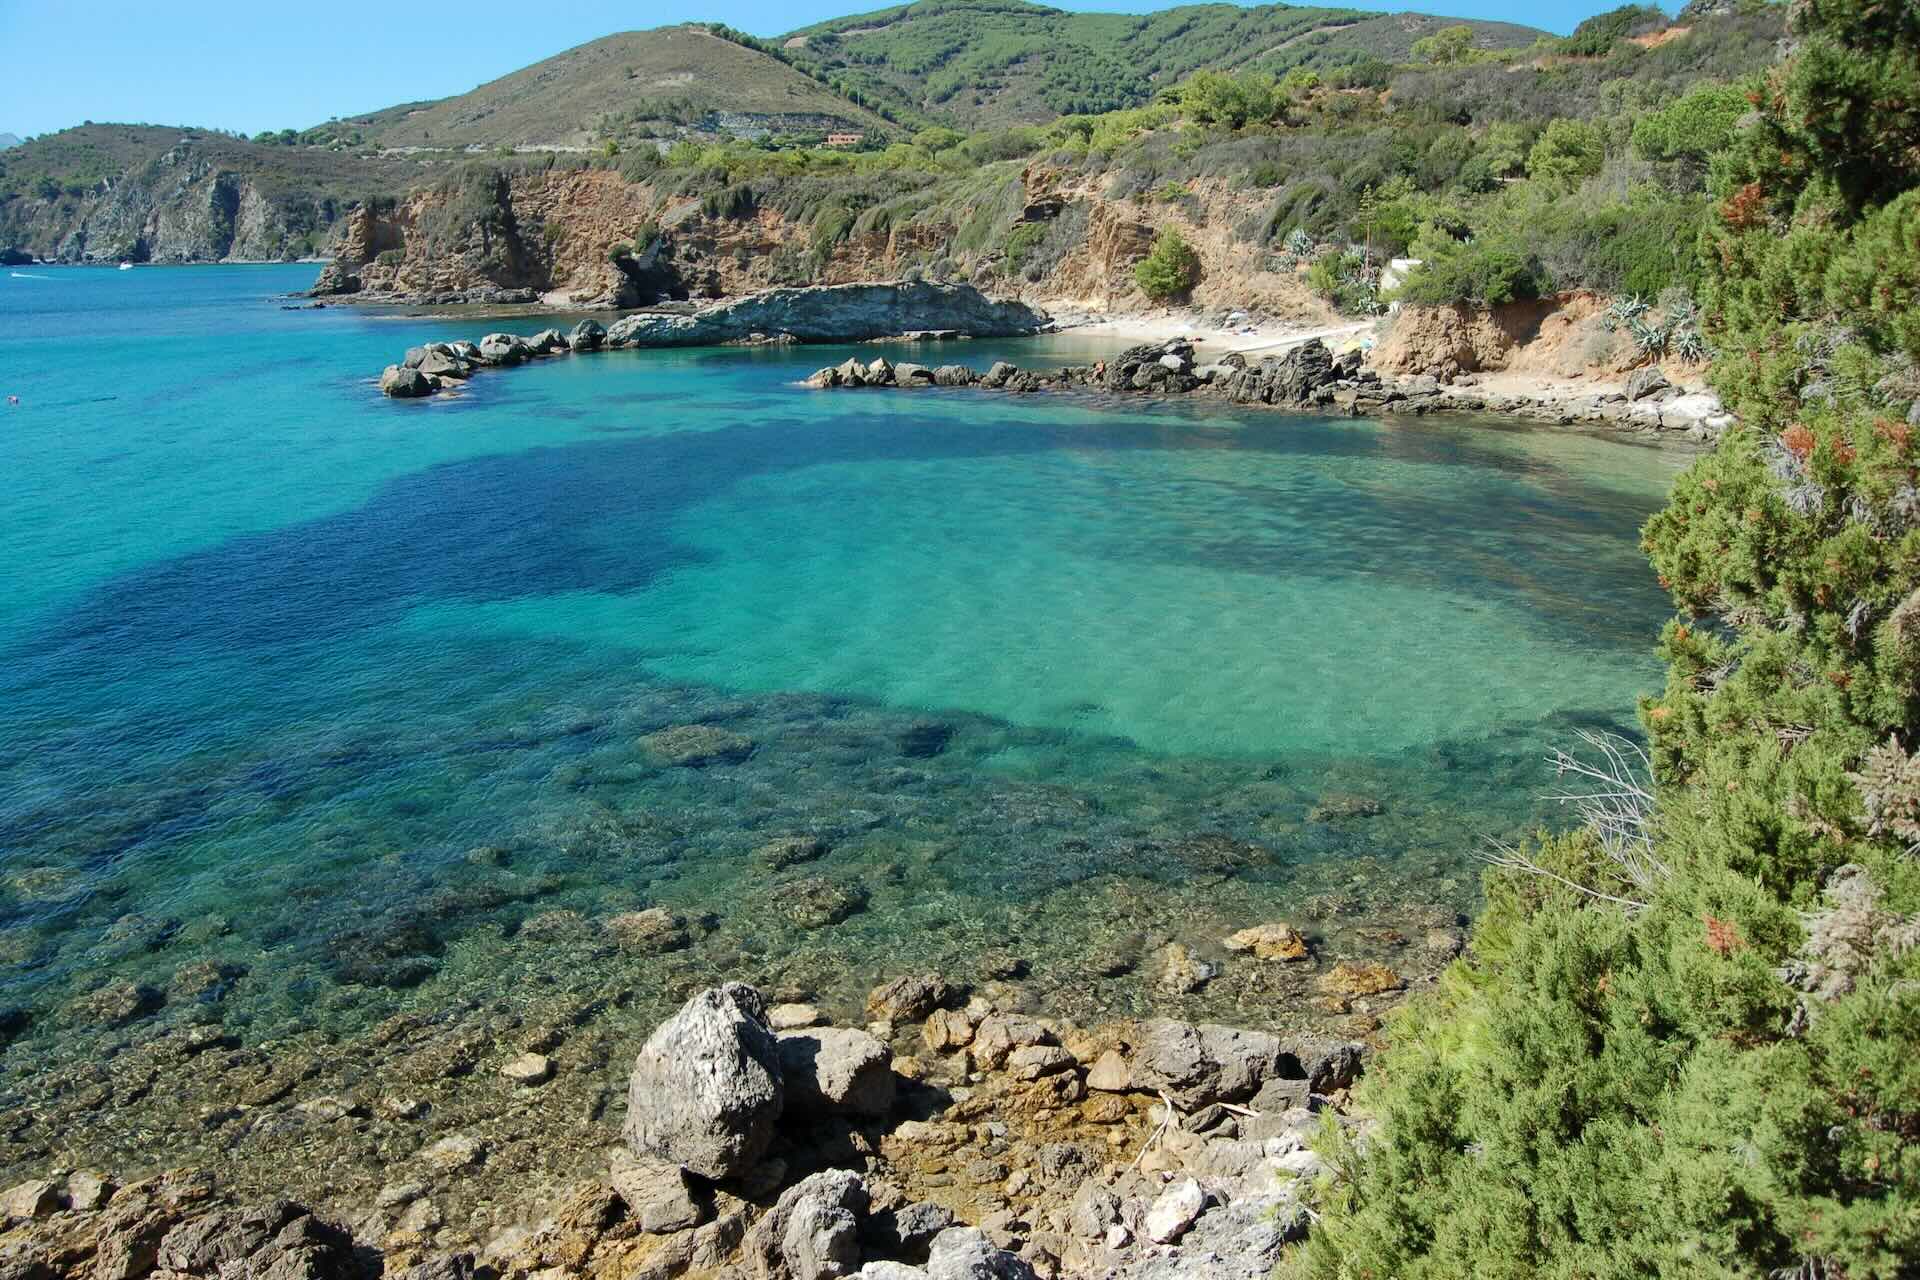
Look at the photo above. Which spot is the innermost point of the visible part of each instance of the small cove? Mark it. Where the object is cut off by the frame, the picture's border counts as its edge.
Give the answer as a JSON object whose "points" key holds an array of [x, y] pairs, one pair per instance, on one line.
{"points": [[318, 709]]}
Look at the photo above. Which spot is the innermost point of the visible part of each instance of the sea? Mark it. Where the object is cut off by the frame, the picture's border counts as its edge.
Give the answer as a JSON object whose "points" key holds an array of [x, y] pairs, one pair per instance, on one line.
{"points": [[335, 728]]}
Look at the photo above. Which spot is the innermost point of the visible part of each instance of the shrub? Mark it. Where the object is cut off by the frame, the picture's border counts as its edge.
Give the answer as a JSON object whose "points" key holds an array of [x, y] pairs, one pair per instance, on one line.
{"points": [[1348, 281], [1448, 45], [1490, 271], [1171, 270], [1597, 36], [1568, 150], [1709, 1070]]}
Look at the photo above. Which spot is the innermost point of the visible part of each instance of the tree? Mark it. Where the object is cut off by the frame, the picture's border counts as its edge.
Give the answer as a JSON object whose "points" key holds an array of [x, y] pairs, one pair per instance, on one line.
{"points": [[1171, 270], [1445, 46], [1567, 151], [1696, 125]]}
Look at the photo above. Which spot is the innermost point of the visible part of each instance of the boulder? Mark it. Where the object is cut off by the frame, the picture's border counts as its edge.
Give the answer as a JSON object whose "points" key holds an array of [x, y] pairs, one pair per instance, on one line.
{"points": [[1200, 1064], [547, 341], [706, 1089], [503, 348], [1176, 1209], [1642, 383], [880, 373], [833, 313], [441, 362], [907, 1231], [823, 379], [404, 383], [1274, 941], [29, 1200], [998, 1035], [657, 1194], [649, 932], [953, 375], [912, 375], [908, 999], [965, 1253], [813, 1230], [851, 374], [588, 335], [996, 377], [837, 1070]]}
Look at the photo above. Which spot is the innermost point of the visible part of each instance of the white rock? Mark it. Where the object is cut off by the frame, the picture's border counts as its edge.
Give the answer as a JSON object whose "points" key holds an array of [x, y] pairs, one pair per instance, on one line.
{"points": [[528, 1069], [1117, 1236], [792, 1017], [1177, 1209]]}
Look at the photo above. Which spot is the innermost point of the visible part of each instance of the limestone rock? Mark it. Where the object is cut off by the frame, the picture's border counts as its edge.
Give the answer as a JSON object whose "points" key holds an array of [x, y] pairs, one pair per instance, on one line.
{"points": [[946, 1030], [695, 746], [649, 932], [706, 1088], [88, 1191], [813, 1230], [37, 1199], [908, 999], [1181, 973], [816, 902], [834, 313], [906, 374], [789, 851], [1175, 1210], [953, 375], [794, 1017], [1200, 1064], [998, 1035], [115, 1005], [455, 1151], [965, 1253], [837, 1069], [907, 1231], [1031, 1062], [528, 1069], [1110, 1073], [656, 1193], [587, 336], [1363, 979], [1274, 941], [404, 383], [1642, 383]]}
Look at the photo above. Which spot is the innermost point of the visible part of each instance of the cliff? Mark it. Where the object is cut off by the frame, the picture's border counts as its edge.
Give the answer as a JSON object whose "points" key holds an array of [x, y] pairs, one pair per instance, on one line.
{"points": [[103, 193], [591, 237]]}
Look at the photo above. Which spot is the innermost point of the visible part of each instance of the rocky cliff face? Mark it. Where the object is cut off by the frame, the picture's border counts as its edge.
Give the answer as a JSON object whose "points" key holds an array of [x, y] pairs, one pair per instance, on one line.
{"points": [[591, 238], [183, 206]]}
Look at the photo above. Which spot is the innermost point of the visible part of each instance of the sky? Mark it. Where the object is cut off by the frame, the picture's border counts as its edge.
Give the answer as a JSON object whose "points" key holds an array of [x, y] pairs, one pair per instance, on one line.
{"points": [[258, 66]]}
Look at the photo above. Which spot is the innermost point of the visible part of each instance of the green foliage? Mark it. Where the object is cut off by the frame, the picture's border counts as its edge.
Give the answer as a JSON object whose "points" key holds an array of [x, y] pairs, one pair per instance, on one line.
{"points": [[1171, 270], [1598, 35], [1568, 150], [1443, 48], [1348, 281], [1490, 271], [1704, 1063], [1235, 101], [1692, 127]]}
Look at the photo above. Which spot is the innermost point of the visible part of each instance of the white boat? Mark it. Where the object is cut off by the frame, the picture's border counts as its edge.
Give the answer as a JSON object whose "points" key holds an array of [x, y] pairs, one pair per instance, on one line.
{"points": [[126, 266]]}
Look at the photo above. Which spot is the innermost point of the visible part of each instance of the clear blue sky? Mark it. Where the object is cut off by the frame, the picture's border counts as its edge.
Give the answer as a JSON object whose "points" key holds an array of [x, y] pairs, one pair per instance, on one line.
{"points": [[272, 66]]}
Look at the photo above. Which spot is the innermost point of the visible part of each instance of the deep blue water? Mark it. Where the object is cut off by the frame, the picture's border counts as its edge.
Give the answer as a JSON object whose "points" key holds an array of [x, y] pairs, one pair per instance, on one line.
{"points": [[292, 675]]}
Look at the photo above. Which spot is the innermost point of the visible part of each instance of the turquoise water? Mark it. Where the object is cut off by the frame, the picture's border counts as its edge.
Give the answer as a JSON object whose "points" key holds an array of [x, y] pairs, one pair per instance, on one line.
{"points": [[342, 692]]}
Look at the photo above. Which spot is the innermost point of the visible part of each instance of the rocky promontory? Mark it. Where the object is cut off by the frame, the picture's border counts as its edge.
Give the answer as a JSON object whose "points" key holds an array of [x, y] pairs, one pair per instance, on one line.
{"points": [[821, 313], [1306, 376], [954, 1136]]}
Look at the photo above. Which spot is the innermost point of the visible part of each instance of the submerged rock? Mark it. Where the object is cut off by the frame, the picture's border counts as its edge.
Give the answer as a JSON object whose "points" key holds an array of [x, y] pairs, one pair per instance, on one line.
{"points": [[707, 1088], [697, 745], [1276, 941]]}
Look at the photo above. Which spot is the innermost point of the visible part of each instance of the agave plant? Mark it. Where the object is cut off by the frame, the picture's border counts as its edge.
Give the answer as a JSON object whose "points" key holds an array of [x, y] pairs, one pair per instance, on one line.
{"points": [[1651, 339], [1689, 345], [1624, 311], [1299, 243]]}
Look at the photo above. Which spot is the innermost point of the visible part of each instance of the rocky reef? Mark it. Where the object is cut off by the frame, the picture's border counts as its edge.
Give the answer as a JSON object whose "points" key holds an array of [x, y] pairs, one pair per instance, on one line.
{"points": [[824, 313], [759, 1141], [1307, 376]]}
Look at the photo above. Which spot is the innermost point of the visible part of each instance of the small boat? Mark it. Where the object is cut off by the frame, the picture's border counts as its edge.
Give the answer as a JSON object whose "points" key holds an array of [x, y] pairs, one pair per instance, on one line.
{"points": [[126, 266]]}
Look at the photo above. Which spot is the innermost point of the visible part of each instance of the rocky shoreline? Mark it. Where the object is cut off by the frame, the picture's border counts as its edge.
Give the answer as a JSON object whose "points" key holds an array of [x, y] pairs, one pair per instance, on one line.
{"points": [[1307, 376], [953, 1136], [825, 313]]}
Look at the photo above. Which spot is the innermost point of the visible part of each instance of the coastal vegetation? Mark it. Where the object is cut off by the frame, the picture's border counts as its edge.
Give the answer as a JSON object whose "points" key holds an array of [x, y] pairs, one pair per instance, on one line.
{"points": [[1683, 1039]]}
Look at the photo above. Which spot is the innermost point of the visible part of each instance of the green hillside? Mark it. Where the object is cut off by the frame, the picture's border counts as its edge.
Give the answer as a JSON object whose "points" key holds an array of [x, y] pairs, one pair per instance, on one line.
{"points": [[634, 83], [980, 63]]}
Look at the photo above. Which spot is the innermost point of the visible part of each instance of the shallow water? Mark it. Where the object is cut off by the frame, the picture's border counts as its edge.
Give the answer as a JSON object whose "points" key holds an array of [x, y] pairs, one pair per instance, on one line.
{"points": [[339, 693]]}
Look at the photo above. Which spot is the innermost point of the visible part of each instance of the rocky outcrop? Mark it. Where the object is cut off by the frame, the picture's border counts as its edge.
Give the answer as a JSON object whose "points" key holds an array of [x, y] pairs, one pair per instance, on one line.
{"points": [[1306, 376], [826, 313], [833, 313]]}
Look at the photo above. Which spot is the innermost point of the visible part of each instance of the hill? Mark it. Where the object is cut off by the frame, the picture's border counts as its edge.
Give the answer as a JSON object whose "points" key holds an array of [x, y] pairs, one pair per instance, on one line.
{"points": [[152, 193], [635, 84], [982, 63], [9, 140]]}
